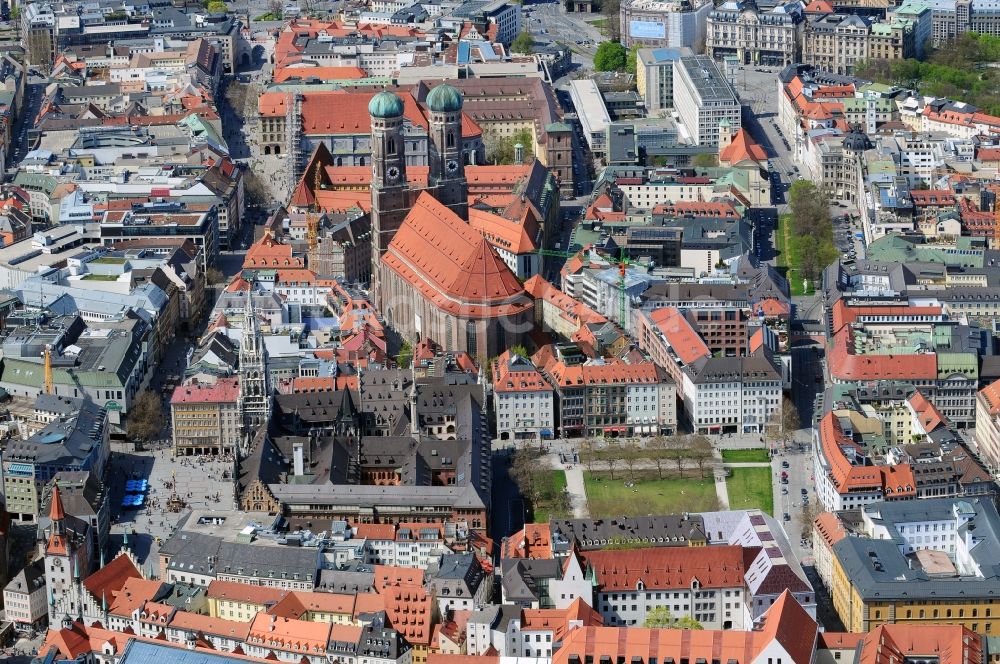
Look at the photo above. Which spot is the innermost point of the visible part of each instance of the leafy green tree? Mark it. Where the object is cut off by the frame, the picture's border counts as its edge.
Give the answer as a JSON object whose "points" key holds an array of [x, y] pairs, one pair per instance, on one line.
{"points": [[216, 7], [500, 149], [15, 13], [405, 355], [524, 43], [632, 64], [519, 349], [661, 617], [610, 56], [705, 160]]}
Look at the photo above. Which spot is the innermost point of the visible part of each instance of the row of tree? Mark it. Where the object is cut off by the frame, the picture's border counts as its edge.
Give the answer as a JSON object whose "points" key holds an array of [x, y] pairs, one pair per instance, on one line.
{"points": [[812, 228], [658, 452]]}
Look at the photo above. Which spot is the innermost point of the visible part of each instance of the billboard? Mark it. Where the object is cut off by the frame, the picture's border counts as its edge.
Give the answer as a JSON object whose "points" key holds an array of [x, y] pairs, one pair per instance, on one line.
{"points": [[647, 30]]}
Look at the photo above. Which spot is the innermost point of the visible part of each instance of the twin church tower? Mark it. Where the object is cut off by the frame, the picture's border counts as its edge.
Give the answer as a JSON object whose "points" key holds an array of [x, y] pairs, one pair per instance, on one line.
{"points": [[392, 194]]}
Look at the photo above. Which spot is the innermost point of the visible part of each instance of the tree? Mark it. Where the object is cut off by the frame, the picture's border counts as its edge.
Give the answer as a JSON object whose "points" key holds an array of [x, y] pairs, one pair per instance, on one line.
{"points": [[660, 616], [677, 450], [705, 160], [15, 13], [588, 454], [255, 191], [524, 44], [501, 149], [632, 63], [611, 9], [700, 451], [275, 9], [610, 56], [216, 7], [790, 422], [524, 468], [518, 349], [405, 355], [214, 276], [630, 455], [610, 458], [656, 450], [145, 417]]}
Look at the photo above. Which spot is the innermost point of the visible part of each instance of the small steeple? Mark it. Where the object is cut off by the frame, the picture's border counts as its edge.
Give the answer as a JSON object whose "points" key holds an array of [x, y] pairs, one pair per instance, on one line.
{"points": [[56, 511]]}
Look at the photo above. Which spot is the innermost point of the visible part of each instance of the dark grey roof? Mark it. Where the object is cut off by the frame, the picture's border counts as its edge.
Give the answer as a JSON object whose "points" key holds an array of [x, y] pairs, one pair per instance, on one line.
{"points": [[589, 534]]}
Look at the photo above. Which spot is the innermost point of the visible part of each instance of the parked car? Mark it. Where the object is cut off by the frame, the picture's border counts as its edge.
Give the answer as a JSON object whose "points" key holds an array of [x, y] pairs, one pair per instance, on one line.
{"points": [[787, 516], [805, 492]]}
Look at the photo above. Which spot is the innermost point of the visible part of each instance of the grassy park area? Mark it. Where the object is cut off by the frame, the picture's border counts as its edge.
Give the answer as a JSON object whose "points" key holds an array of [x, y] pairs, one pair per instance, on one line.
{"points": [[749, 488], [746, 456], [552, 501], [647, 494]]}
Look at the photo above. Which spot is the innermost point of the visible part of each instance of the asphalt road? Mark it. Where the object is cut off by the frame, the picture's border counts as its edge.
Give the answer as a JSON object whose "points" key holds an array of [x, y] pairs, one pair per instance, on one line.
{"points": [[549, 22]]}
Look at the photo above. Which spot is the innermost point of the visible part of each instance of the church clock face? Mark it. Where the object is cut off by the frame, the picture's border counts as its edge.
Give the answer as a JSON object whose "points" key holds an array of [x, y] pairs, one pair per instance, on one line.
{"points": [[452, 166], [392, 173]]}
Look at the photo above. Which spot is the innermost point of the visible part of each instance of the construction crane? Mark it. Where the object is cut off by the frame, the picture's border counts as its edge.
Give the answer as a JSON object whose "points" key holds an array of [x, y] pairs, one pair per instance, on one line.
{"points": [[48, 369], [623, 263]]}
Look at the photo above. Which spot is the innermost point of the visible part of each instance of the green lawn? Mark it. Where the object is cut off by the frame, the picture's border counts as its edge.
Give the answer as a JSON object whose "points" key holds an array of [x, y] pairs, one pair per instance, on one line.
{"points": [[106, 260], [787, 256], [745, 456], [750, 487], [100, 277], [607, 497], [553, 503]]}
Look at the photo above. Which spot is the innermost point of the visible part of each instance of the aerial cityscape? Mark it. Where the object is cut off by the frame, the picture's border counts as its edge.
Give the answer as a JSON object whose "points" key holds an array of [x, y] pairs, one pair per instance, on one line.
{"points": [[500, 331]]}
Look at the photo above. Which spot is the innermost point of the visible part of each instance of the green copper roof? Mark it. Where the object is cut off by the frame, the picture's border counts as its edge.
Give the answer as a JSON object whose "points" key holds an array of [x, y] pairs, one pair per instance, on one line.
{"points": [[444, 99], [385, 105]]}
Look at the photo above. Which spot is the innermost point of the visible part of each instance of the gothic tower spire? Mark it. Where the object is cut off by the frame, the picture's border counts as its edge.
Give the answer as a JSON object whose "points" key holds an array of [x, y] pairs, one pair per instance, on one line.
{"points": [[390, 199], [255, 389], [445, 159]]}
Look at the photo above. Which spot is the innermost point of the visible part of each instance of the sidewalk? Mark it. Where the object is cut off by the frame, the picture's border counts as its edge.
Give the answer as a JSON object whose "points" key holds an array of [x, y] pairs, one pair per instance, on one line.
{"points": [[721, 490], [575, 486]]}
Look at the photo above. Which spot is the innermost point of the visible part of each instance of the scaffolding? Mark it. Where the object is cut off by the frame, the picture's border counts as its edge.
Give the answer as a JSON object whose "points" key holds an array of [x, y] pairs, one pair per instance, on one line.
{"points": [[293, 134]]}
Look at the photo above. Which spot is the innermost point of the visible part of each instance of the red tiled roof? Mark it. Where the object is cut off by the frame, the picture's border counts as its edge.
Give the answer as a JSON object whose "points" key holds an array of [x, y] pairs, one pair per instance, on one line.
{"points": [[772, 308], [838, 640], [680, 336], [268, 252], [991, 394], [111, 578], [933, 197], [788, 623], [844, 314], [830, 528], [56, 510], [785, 623], [225, 390], [559, 621], [533, 541], [196, 622], [667, 567], [896, 481], [133, 594], [742, 148], [847, 366], [929, 417], [507, 380], [945, 644], [242, 592], [452, 265], [571, 309], [297, 636], [506, 234], [698, 209], [283, 74]]}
